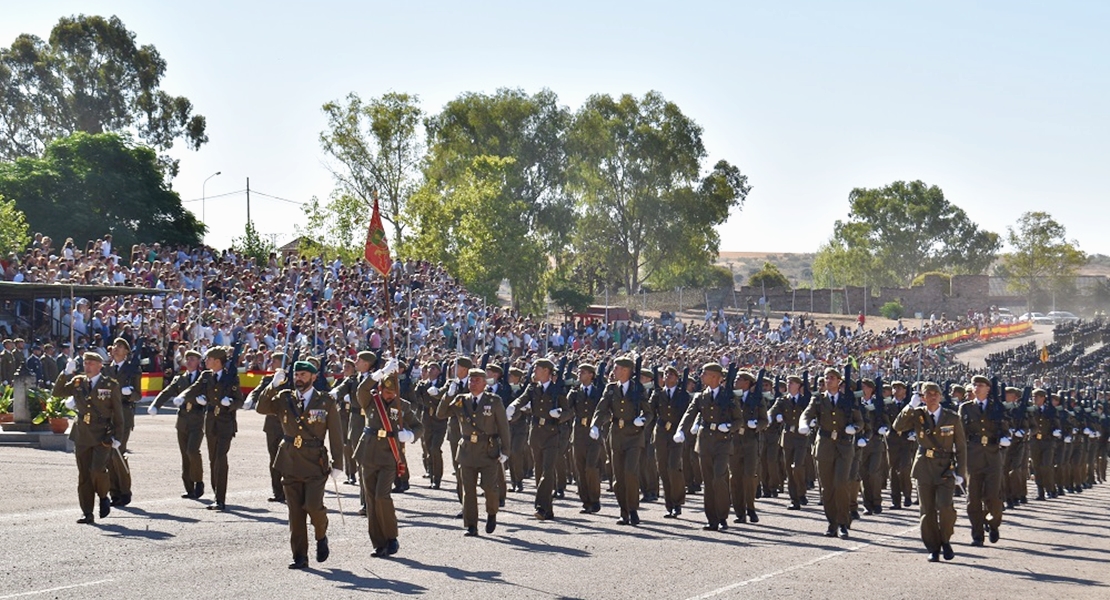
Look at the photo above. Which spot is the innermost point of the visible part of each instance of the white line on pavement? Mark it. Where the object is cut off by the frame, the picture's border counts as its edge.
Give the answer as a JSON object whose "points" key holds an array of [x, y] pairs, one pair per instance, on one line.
{"points": [[57, 589], [766, 576]]}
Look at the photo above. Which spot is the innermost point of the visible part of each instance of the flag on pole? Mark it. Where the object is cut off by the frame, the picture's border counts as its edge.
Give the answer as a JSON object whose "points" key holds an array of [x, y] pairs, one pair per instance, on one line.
{"points": [[1044, 353], [377, 250]]}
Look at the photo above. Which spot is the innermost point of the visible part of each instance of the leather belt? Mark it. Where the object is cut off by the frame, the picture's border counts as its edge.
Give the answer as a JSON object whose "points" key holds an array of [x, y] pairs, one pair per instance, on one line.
{"points": [[299, 442], [381, 433], [934, 453]]}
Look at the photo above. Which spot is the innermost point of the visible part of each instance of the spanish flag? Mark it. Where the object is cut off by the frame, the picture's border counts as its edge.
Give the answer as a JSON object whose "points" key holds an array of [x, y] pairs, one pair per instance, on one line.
{"points": [[1044, 353]]}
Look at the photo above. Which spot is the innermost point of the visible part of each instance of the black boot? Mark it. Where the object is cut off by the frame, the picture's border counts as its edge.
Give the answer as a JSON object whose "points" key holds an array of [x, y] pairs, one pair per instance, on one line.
{"points": [[322, 550], [105, 507]]}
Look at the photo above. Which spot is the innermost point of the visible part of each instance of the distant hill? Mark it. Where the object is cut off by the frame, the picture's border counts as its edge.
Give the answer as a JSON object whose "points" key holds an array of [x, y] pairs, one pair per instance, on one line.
{"points": [[797, 266]]}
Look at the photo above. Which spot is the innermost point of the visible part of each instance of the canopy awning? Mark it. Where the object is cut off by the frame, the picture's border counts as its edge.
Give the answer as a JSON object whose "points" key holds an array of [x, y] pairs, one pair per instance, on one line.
{"points": [[31, 291]]}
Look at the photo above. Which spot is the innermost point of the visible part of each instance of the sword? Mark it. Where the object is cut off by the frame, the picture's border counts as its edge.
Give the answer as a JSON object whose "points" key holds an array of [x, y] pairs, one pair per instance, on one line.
{"points": [[120, 455], [335, 485]]}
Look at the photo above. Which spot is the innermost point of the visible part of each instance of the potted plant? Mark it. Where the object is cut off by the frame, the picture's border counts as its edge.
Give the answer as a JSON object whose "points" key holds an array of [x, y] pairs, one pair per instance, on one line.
{"points": [[53, 410], [6, 394]]}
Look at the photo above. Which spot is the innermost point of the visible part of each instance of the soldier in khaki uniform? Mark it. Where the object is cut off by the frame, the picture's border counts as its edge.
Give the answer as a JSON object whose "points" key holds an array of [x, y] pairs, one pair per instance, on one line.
{"points": [[217, 390], [551, 407], [787, 411], [519, 427], [271, 426], [435, 428], [306, 416], [1015, 459], [743, 464], [485, 434], [987, 430], [626, 410], [713, 415], [669, 403], [587, 451], [8, 363], [836, 417], [376, 458], [876, 427], [190, 424], [129, 377], [939, 467], [364, 361], [96, 399], [1044, 431], [344, 392]]}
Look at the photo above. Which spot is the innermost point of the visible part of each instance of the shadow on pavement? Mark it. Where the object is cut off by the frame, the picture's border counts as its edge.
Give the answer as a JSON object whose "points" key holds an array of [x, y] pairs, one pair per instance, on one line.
{"points": [[138, 512], [451, 572], [127, 532], [349, 581]]}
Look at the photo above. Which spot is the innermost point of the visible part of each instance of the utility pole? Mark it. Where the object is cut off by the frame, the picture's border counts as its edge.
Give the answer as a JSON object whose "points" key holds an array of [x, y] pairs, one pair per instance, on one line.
{"points": [[248, 199]]}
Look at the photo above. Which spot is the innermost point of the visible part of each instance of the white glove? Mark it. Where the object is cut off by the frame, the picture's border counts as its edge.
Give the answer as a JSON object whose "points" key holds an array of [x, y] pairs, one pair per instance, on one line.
{"points": [[71, 403], [510, 410], [247, 404], [346, 398], [753, 424], [337, 473], [279, 378], [503, 459], [1067, 439], [884, 431], [225, 401], [594, 433], [555, 412], [1019, 433], [959, 480], [912, 436], [850, 430], [915, 401], [126, 391], [679, 437], [152, 410], [334, 393], [695, 428], [201, 400], [1087, 431], [451, 389], [813, 424], [71, 366], [405, 436], [433, 391], [803, 428], [1056, 433], [178, 401], [862, 442], [1004, 442], [115, 444], [639, 422], [722, 427], [778, 418]]}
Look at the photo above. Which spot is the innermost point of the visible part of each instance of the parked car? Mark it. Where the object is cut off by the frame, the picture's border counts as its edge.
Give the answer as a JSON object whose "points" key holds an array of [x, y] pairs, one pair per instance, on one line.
{"points": [[1061, 316], [1036, 318]]}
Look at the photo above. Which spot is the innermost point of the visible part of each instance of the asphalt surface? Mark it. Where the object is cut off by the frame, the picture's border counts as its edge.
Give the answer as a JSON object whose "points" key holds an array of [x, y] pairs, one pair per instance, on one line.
{"points": [[976, 355], [164, 546]]}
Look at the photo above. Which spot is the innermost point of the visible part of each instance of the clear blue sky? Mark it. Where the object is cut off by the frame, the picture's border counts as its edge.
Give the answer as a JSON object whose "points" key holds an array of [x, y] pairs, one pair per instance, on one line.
{"points": [[1001, 104]]}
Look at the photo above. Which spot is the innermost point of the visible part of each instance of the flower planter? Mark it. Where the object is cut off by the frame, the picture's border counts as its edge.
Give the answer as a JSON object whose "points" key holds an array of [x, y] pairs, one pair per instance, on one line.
{"points": [[7, 418], [59, 424]]}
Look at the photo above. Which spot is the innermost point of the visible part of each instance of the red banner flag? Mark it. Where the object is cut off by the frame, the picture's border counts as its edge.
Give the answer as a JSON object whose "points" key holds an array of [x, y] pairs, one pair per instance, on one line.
{"points": [[377, 250]]}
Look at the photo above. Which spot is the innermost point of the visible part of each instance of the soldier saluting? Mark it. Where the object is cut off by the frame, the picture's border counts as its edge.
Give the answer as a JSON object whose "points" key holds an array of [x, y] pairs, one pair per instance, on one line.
{"points": [[485, 436], [190, 424], [217, 390], [96, 398], [939, 467], [306, 417]]}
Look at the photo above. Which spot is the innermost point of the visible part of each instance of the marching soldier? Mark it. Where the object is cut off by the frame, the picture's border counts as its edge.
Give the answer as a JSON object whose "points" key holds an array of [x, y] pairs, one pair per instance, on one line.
{"points": [[587, 450], [217, 390], [939, 467], [129, 377], [364, 383], [1015, 460], [96, 399], [551, 408], [900, 449], [787, 411], [1044, 430], [271, 426], [669, 404], [344, 391], [485, 432], [435, 428], [649, 470], [306, 416], [190, 424], [626, 411], [836, 418], [712, 416], [458, 385], [1062, 446], [500, 389], [519, 427], [743, 465], [770, 472], [389, 422], [876, 427], [985, 423]]}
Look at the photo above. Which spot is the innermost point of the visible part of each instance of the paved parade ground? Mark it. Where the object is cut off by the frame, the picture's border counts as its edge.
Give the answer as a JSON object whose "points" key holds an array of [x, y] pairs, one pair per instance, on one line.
{"points": [[164, 546]]}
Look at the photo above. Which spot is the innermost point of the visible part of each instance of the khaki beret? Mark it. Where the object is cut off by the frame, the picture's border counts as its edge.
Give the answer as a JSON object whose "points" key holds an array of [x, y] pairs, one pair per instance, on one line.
{"points": [[671, 370], [746, 375], [713, 368], [92, 356], [476, 372], [587, 367], [647, 373], [625, 362], [979, 379], [465, 362], [367, 356], [217, 352], [545, 363], [794, 379], [930, 387], [1013, 390], [494, 368], [516, 371], [959, 389], [122, 342]]}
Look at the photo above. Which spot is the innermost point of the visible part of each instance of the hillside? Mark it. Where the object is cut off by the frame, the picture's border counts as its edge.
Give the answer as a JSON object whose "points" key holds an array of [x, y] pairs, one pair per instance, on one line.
{"points": [[797, 266]]}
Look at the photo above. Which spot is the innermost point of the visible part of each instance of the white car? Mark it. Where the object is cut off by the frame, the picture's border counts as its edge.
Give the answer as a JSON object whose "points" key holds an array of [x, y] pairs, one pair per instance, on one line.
{"points": [[1036, 318], [1060, 316]]}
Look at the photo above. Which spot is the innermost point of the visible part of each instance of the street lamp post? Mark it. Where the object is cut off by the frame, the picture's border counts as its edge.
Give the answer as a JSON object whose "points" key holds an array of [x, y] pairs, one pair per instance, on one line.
{"points": [[203, 198]]}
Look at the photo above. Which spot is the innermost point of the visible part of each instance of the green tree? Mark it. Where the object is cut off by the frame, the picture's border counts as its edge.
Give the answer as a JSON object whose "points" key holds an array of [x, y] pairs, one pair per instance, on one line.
{"points": [[1041, 257], [91, 77], [85, 186], [909, 228], [377, 149], [636, 165], [253, 246], [335, 229], [770, 277], [15, 234], [838, 265]]}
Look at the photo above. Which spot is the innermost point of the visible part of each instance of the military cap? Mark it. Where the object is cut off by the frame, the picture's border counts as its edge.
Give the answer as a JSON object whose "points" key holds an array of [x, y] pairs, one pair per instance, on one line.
{"points": [[494, 368], [546, 364], [315, 361], [217, 352], [465, 362], [713, 368], [1040, 392], [122, 342], [626, 362], [959, 389], [1013, 390], [587, 367], [349, 361], [7, 341], [516, 371], [901, 384], [476, 372], [367, 356], [746, 375], [671, 370], [794, 379], [647, 373], [833, 372], [979, 379], [431, 364], [930, 387], [869, 383], [92, 356], [19, 341], [389, 384], [304, 365], [192, 354]]}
